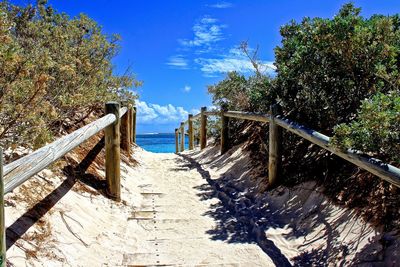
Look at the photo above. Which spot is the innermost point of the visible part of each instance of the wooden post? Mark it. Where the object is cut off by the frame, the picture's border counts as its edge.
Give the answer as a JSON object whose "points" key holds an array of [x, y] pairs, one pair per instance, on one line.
{"points": [[224, 131], [182, 136], [275, 146], [191, 133], [126, 132], [134, 113], [2, 221], [130, 119], [176, 141], [112, 136], [203, 128]]}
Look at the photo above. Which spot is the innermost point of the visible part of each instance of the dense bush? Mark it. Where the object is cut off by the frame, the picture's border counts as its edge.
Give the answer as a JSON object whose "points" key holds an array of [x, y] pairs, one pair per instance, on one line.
{"points": [[376, 129], [326, 67], [339, 76], [238, 92], [52, 67]]}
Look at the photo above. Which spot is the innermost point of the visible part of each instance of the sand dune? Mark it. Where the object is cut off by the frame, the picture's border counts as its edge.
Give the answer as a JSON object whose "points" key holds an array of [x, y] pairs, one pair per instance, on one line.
{"points": [[194, 209]]}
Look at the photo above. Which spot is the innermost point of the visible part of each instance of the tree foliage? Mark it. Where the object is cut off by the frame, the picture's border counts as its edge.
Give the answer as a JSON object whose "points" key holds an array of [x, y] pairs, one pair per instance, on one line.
{"points": [[326, 67], [376, 129], [52, 67], [338, 76], [238, 92]]}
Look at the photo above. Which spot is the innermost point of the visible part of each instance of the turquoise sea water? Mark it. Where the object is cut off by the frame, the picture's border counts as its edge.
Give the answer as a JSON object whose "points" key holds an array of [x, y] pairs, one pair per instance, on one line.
{"points": [[158, 143]]}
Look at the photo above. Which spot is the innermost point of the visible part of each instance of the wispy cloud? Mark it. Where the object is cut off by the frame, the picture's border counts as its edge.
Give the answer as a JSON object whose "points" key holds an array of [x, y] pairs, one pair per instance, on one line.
{"points": [[187, 89], [235, 60], [221, 5], [178, 62], [156, 114], [206, 32]]}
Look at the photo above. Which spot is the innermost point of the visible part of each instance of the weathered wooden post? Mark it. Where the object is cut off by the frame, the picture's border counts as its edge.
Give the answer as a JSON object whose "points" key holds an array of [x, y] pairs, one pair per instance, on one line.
{"points": [[190, 131], [134, 113], [203, 128], [130, 119], [275, 146], [112, 138], [176, 141], [182, 136], [224, 130], [2, 221], [126, 132]]}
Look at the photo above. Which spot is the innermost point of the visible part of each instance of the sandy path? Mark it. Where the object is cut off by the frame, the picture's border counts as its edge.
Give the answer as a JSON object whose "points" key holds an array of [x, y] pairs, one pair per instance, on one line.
{"points": [[195, 209], [173, 213]]}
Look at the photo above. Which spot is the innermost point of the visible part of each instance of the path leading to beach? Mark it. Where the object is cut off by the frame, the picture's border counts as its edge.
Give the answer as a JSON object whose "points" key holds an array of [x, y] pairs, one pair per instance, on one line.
{"points": [[174, 215], [193, 209]]}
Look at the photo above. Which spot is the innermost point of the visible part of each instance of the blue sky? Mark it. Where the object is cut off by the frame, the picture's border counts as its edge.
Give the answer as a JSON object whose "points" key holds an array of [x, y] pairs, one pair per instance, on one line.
{"points": [[179, 47]]}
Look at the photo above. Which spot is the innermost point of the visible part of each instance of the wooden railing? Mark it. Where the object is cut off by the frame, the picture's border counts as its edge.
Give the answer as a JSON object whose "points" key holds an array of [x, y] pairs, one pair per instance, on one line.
{"points": [[276, 122], [119, 125]]}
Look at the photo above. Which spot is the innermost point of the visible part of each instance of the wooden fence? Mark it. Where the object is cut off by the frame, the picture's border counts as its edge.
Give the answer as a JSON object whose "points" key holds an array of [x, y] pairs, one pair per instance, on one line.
{"points": [[276, 122], [119, 125]]}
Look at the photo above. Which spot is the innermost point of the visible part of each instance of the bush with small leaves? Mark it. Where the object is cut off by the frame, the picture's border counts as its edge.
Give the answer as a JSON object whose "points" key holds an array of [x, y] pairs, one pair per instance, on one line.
{"points": [[375, 130], [52, 68], [326, 67]]}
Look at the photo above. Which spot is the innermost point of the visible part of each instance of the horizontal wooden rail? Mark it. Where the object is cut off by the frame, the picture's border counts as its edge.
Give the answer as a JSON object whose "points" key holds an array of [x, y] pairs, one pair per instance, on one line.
{"points": [[197, 116], [207, 113], [235, 114], [17, 172], [385, 171], [22, 169], [248, 116], [211, 113]]}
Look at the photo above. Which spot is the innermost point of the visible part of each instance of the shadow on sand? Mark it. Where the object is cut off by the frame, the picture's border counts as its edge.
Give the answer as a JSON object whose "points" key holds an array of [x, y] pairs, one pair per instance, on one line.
{"points": [[244, 216], [236, 223], [73, 174]]}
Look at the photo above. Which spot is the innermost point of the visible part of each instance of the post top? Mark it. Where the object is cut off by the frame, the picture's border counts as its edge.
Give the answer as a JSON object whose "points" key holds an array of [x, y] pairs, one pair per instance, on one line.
{"points": [[112, 103]]}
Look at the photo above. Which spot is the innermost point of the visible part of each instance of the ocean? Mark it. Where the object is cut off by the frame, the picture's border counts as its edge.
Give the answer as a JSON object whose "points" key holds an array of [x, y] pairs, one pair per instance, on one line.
{"points": [[158, 142]]}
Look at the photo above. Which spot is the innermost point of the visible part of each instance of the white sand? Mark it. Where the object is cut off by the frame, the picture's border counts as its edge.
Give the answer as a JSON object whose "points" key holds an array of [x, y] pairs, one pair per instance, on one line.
{"points": [[175, 213], [299, 222], [163, 223]]}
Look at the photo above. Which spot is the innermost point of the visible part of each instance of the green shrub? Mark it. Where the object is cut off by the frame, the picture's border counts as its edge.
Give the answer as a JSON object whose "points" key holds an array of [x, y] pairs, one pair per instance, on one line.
{"points": [[326, 67], [52, 67], [237, 92], [376, 129]]}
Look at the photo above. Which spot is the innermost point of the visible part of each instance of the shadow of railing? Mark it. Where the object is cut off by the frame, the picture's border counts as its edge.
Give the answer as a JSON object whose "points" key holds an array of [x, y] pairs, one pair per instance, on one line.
{"points": [[243, 216], [73, 173], [236, 221]]}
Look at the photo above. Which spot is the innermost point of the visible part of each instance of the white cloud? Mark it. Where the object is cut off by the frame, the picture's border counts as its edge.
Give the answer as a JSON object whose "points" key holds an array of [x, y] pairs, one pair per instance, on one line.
{"points": [[194, 111], [156, 114], [206, 32], [178, 62], [187, 89], [235, 60], [221, 5]]}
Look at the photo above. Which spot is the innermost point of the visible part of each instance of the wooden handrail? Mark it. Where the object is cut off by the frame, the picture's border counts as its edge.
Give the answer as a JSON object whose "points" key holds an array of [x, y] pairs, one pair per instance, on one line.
{"points": [[17, 172], [375, 166], [211, 113], [197, 116], [383, 170], [14, 174], [248, 116]]}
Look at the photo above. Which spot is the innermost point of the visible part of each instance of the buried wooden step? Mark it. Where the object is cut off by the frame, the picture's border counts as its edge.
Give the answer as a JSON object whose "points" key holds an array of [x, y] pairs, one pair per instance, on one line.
{"points": [[142, 215], [148, 259]]}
